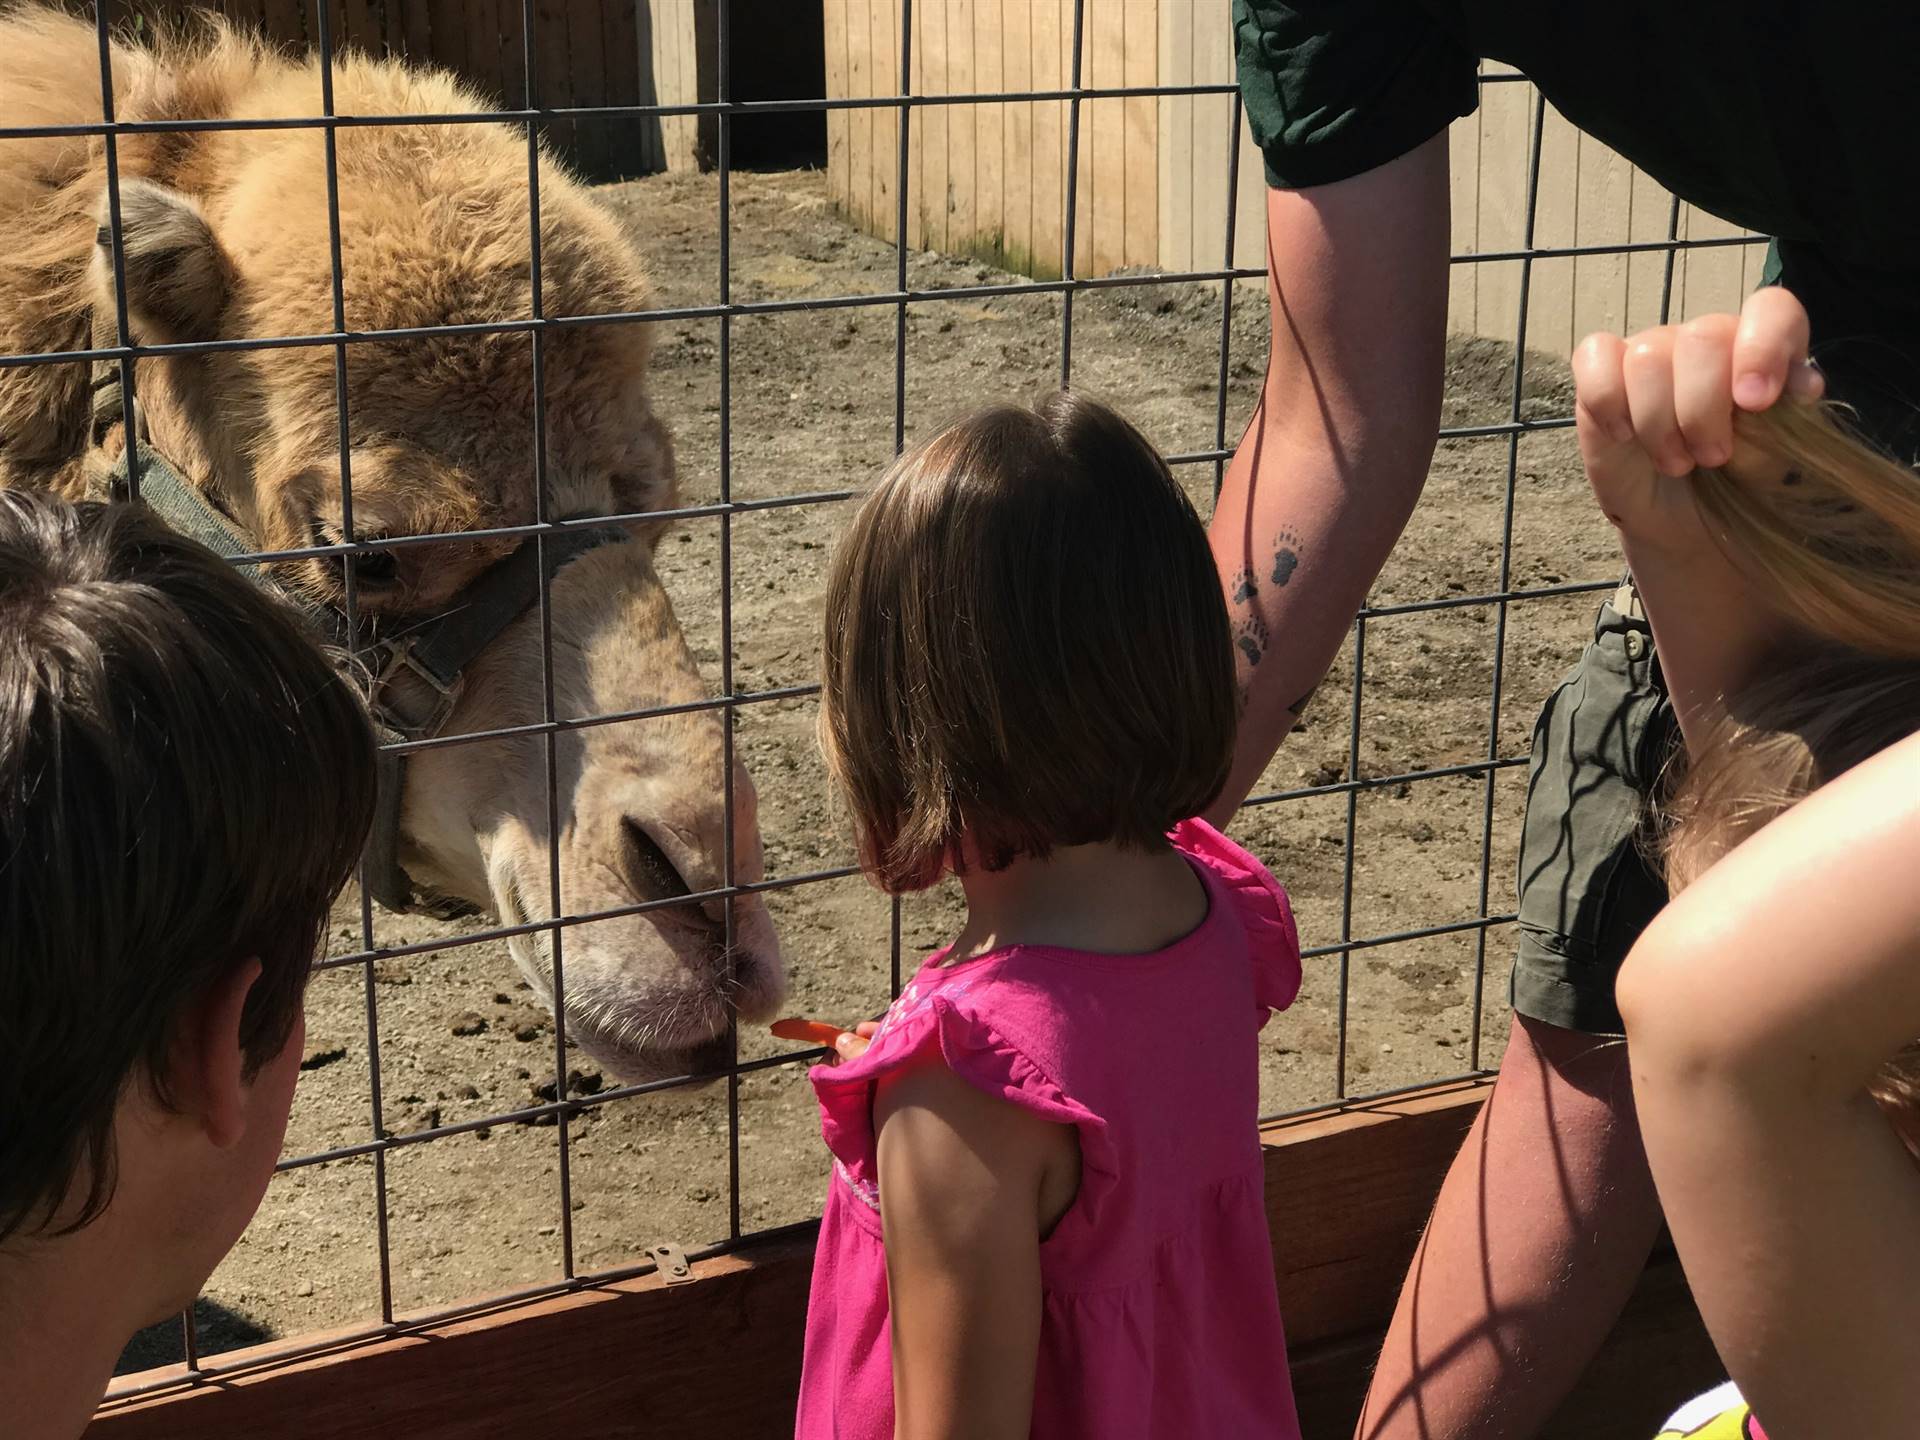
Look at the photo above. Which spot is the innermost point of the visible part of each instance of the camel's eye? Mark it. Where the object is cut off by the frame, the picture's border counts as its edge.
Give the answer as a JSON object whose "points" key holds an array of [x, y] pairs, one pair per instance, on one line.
{"points": [[377, 567], [372, 569]]}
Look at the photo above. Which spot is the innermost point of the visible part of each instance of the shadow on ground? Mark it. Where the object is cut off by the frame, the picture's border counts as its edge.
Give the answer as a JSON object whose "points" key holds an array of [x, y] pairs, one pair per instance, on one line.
{"points": [[216, 1329]]}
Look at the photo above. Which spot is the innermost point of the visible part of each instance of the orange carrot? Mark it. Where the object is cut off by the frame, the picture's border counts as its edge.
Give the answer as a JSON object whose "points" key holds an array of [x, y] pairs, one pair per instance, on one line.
{"points": [[815, 1032]]}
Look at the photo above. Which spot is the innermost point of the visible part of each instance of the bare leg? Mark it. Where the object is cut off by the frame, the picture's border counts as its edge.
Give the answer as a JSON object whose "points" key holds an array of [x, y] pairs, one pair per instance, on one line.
{"points": [[1541, 1230]]}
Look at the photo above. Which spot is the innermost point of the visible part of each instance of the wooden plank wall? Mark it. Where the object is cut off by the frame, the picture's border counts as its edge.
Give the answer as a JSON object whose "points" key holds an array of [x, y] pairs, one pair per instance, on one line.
{"points": [[685, 55], [1195, 136], [990, 179], [586, 53]]}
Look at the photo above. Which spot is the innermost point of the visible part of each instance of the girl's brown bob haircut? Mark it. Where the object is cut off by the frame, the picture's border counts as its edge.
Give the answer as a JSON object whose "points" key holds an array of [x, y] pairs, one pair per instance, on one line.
{"points": [[1026, 647]]}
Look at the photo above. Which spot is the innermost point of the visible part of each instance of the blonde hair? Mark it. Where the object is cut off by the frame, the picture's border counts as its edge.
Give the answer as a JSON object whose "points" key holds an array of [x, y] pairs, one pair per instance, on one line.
{"points": [[1836, 544], [1838, 539]]}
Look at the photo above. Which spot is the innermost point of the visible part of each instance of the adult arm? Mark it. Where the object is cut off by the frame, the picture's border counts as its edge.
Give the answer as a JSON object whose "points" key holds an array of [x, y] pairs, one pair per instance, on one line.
{"points": [[1336, 453], [1652, 408], [962, 1182], [1795, 1208]]}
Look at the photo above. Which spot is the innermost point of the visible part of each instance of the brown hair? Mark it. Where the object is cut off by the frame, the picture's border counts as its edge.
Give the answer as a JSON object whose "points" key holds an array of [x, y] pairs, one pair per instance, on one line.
{"points": [[185, 783], [1838, 541], [1026, 646]]}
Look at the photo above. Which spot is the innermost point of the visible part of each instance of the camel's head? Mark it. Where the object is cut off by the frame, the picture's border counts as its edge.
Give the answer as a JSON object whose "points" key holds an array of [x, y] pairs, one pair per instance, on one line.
{"points": [[440, 430], [641, 816], [441, 437]]}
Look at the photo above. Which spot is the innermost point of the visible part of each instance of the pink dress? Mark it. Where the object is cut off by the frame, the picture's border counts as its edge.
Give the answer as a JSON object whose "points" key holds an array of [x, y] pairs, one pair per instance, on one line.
{"points": [[1159, 1313]]}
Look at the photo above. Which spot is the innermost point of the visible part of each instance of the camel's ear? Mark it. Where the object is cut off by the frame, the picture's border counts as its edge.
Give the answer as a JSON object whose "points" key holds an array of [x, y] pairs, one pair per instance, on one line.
{"points": [[178, 277]]}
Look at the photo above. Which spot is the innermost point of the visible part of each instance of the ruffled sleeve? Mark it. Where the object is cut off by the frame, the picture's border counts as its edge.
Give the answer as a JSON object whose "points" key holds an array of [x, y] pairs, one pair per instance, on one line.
{"points": [[944, 1025], [1263, 907]]}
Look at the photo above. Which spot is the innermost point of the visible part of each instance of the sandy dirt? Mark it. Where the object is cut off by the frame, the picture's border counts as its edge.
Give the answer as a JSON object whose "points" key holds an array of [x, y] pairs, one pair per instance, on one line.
{"points": [[812, 410]]}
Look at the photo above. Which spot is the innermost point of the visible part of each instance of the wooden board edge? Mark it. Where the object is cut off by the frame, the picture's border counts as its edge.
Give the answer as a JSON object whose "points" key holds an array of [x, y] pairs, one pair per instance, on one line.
{"points": [[1455, 1098], [590, 1304], [1349, 1188]]}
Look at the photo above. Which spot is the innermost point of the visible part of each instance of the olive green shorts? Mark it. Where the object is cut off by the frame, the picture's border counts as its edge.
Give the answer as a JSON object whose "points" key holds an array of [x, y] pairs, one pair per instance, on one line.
{"points": [[1587, 888]]}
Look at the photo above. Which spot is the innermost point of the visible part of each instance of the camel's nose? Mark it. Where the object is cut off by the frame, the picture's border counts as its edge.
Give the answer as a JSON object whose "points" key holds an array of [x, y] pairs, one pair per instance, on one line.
{"points": [[650, 874]]}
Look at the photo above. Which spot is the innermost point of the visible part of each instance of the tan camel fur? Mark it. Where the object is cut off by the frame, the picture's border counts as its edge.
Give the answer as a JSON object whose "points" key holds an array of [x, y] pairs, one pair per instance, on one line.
{"points": [[226, 236]]}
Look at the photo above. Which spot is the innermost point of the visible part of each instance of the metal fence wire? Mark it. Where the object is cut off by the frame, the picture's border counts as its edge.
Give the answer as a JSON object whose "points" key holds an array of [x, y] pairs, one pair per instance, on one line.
{"points": [[725, 110]]}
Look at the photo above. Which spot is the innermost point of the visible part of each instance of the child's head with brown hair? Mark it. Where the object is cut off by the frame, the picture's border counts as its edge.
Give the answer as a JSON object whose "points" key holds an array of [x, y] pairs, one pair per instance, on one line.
{"points": [[185, 785], [1026, 647], [1837, 544]]}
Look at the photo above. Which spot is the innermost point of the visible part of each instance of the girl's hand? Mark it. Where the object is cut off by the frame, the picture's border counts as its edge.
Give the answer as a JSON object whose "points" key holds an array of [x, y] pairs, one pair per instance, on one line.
{"points": [[845, 1044], [852, 1044], [1652, 409]]}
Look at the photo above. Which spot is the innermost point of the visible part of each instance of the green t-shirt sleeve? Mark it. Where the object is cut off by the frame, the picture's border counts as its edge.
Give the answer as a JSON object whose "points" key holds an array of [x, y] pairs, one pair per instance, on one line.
{"points": [[1334, 88]]}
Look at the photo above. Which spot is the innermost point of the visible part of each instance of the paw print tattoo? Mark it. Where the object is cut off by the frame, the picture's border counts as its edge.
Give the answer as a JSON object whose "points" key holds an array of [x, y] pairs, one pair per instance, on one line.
{"points": [[1245, 587], [1250, 639], [1286, 556]]}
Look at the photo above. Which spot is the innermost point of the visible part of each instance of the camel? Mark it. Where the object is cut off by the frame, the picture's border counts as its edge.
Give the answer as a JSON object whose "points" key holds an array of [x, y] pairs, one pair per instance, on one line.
{"points": [[225, 235]]}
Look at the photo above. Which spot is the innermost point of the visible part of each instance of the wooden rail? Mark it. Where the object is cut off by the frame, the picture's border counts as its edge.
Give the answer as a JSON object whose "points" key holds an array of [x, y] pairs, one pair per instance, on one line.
{"points": [[1347, 1195]]}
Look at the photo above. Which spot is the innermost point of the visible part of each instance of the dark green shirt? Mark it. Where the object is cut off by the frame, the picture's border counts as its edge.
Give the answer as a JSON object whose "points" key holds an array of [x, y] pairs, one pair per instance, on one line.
{"points": [[1797, 120]]}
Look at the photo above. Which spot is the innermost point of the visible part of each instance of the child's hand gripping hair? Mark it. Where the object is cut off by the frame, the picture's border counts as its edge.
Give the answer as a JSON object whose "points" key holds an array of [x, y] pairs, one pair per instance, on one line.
{"points": [[1650, 411], [1765, 1003]]}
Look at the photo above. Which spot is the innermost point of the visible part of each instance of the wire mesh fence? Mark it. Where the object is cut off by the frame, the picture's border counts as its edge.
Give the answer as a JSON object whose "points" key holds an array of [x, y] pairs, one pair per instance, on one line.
{"points": [[1332, 958]]}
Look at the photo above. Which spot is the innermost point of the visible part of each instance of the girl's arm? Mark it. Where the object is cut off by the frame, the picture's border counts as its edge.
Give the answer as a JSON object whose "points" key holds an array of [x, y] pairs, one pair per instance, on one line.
{"points": [[966, 1182], [1759, 1006], [1650, 410]]}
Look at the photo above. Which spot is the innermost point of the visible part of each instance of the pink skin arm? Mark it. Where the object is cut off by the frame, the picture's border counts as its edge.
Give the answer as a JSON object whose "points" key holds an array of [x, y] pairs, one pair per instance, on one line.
{"points": [[1795, 1209], [1337, 450], [963, 1178], [1539, 1234]]}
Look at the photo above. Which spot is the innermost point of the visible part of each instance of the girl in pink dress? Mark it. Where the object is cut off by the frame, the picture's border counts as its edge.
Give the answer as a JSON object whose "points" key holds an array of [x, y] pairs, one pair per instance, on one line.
{"points": [[1046, 1215]]}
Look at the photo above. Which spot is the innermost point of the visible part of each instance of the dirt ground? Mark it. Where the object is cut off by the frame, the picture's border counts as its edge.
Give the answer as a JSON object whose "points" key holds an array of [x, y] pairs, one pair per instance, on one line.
{"points": [[812, 410]]}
